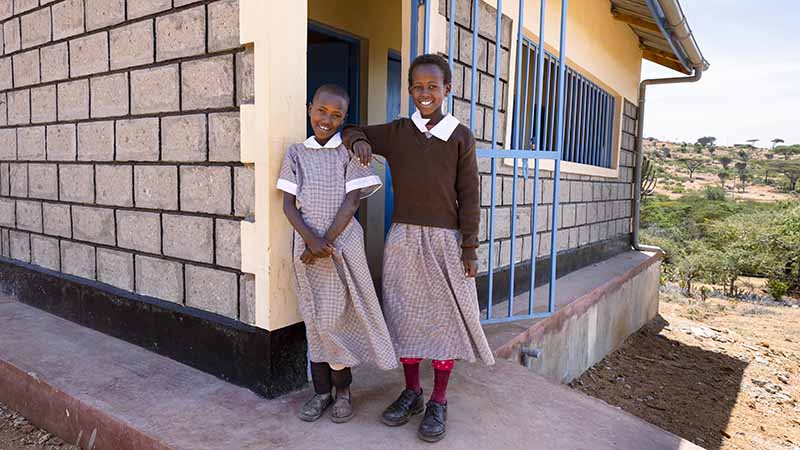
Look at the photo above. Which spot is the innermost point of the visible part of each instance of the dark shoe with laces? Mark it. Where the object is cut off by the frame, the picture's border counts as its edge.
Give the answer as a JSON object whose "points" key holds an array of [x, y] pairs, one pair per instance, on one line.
{"points": [[432, 428], [314, 408], [408, 404]]}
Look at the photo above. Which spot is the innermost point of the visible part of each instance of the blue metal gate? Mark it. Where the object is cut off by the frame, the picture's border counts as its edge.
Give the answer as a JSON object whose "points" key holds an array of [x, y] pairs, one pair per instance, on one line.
{"points": [[528, 144]]}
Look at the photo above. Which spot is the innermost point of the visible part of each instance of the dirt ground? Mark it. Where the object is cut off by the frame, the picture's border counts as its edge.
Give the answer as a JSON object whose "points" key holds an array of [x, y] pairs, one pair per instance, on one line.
{"points": [[723, 374], [16, 433]]}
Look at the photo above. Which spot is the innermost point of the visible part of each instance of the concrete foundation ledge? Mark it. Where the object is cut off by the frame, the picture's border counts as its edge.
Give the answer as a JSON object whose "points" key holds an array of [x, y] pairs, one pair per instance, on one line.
{"points": [[597, 308]]}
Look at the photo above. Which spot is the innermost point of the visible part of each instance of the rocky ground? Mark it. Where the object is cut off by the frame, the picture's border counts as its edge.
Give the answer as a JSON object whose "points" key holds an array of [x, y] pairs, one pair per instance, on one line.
{"points": [[721, 373], [16, 433]]}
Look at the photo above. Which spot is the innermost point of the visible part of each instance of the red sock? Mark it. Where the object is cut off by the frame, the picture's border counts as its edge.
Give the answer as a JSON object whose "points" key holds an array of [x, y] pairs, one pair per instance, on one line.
{"points": [[441, 375], [411, 371]]}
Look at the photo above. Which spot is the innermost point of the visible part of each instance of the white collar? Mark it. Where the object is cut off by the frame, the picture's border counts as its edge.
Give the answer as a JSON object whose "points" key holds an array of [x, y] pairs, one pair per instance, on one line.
{"points": [[334, 142], [441, 130]]}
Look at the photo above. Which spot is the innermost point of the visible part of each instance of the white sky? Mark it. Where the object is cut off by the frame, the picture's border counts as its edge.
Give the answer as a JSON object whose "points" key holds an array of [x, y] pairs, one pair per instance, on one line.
{"points": [[751, 91]]}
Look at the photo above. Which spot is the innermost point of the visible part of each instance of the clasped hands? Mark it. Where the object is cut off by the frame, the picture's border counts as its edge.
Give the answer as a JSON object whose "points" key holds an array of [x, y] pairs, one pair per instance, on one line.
{"points": [[317, 248]]}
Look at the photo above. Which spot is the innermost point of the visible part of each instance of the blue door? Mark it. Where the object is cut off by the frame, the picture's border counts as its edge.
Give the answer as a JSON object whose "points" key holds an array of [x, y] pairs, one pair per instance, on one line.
{"points": [[393, 85]]}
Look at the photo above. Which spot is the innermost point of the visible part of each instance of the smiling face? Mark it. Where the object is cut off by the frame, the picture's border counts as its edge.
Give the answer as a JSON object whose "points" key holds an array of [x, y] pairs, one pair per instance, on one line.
{"points": [[428, 89], [327, 113]]}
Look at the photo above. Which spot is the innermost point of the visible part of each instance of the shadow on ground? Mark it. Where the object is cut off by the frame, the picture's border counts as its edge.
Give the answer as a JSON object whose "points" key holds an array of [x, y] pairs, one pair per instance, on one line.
{"points": [[683, 389]]}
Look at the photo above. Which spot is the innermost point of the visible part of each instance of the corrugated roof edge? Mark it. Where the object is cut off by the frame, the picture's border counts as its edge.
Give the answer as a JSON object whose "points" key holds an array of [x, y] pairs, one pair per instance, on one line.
{"points": [[672, 22]]}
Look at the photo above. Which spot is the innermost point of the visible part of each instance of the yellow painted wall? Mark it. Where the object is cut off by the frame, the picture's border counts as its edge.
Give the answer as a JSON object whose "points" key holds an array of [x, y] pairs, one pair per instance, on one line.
{"points": [[377, 21]]}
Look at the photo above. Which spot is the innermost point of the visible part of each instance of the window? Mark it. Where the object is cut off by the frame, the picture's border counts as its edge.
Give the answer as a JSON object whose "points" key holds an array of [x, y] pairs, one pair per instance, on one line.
{"points": [[589, 112]]}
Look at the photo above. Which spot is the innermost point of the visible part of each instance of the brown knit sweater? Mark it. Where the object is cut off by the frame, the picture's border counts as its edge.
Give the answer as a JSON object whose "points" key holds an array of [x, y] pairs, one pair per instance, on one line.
{"points": [[435, 182]]}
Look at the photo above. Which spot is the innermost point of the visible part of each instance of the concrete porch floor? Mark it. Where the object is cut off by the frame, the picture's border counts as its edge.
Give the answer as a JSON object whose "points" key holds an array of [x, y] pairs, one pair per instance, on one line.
{"points": [[107, 394]]}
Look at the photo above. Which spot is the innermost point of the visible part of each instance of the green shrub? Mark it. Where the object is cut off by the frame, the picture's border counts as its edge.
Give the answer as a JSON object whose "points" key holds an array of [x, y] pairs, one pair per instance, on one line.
{"points": [[777, 289], [714, 193]]}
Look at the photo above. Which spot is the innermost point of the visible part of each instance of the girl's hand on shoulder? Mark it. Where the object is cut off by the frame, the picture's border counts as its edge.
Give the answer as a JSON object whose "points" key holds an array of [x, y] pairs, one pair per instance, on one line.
{"points": [[470, 268], [363, 151]]}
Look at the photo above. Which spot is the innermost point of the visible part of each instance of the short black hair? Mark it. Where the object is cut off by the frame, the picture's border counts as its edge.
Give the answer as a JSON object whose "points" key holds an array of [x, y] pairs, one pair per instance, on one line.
{"points": [[433, 60], [334, 89]]}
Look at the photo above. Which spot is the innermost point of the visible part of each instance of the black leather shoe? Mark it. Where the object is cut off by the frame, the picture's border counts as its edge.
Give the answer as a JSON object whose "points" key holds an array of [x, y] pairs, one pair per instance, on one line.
{"points": [[432, 428], [408, 404], [314, 408]]}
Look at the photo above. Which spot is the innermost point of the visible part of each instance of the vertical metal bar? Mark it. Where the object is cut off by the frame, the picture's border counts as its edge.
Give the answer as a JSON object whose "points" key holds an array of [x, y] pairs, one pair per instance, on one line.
{"points": [[579, 122], [593, 123], [562, 48], [495, 108], [538, 122], [451, 50], [603, 128], [414, 43], [565, 155], [545, 110], [525, 138], [516, 147], [474, 78], [598, 110], [585, 123], [574, 117], [518, 81], [534, 234], [426, 44], [612, 112]]}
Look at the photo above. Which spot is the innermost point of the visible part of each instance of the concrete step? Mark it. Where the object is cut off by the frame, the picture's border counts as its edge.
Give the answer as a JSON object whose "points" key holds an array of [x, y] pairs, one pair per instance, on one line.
{"points": [[107, 394]]}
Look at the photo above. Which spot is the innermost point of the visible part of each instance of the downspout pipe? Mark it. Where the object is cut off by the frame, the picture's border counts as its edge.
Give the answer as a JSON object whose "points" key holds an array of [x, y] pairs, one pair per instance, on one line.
{"points": [[637, 197]]}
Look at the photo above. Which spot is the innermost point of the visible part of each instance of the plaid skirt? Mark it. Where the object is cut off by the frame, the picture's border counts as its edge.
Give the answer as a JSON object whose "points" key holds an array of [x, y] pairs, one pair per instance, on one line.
{"points": [[431, 307], [344, 322]]}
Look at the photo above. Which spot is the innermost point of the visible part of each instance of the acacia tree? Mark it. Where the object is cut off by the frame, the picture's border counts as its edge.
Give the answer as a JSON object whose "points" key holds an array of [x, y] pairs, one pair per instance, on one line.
{"points": [[787, 151], [742, 171], [692, 165], [706, 141], [725, 161], [789, 169], [752, 142], [723, 175], [777, 141]]}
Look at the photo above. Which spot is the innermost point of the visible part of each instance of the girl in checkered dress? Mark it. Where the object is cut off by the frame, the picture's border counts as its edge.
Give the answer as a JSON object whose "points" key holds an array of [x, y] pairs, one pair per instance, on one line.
{"points": [[429, 295], [322, 187]]}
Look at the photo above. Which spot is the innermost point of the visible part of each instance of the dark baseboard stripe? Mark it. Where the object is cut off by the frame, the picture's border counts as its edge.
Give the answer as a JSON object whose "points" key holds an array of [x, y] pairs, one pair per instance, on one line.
{"points": [[270, 363]]}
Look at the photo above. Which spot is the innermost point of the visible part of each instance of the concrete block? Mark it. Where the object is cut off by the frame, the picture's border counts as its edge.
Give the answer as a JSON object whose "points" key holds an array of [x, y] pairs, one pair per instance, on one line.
{"points": [[155, 90], [20, 245], [504, 62], [20, 6], [78, 259], [139, 8], [3, 109], [96, 141], [132, 45], [181, 34], [109, 95], [212, 290], [11, 35], [139, 231], [43, 104], [137, 139], [224, 137], [5, 189], [103, 13], [245, 77], [179, 3], [189, 237], [76, 183], [8, 144], [45, 252], [30, 143], [244, 191], [159, 278], [18, 180], [88, 54], [115, 268], [8, 213], [26, 68], [68, 19], [568, 215], [523, 220], [183, 138], [6, 9], [207, 83], [543, 222], [62, 143], [564, 191], [584, 235], [57, 219], [114, 185], [581, 213], [19, 107], [5, 249], [156, 187], [247, 298], [223, 25], [228, 243], [93, 224], [73, 100], [35, 27], [6, 74], [206, 189], [54, 62], [43, 181]]}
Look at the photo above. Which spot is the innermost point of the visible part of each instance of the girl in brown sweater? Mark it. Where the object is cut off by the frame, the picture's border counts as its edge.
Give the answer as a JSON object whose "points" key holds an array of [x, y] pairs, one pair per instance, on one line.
{"points": [[429, 295]]}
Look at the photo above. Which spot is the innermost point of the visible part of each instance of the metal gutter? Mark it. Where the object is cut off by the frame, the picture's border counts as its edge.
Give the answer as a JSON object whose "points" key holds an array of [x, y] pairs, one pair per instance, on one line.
{"points": [[673, 25], [637, 197]]}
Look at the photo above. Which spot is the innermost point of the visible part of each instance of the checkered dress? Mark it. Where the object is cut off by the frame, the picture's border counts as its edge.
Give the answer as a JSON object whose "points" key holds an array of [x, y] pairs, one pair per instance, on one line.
{"points": [[431, 307], [344, 322]]}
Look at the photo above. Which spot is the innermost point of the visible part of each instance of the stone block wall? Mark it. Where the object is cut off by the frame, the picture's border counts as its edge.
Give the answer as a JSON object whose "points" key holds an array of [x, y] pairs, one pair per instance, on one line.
{"points": [[592, 209], [119, 145]]}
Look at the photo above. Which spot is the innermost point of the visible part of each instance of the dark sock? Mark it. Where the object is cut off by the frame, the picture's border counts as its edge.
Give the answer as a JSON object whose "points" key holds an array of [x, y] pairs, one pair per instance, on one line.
{"points": [[411, 371], [440, 379], [341, 379], [321, 377]]}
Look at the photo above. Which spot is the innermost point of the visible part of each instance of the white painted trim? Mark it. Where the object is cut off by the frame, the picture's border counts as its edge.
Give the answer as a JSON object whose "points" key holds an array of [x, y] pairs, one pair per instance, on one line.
{"points": [[570, 167], [287, 186]]}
